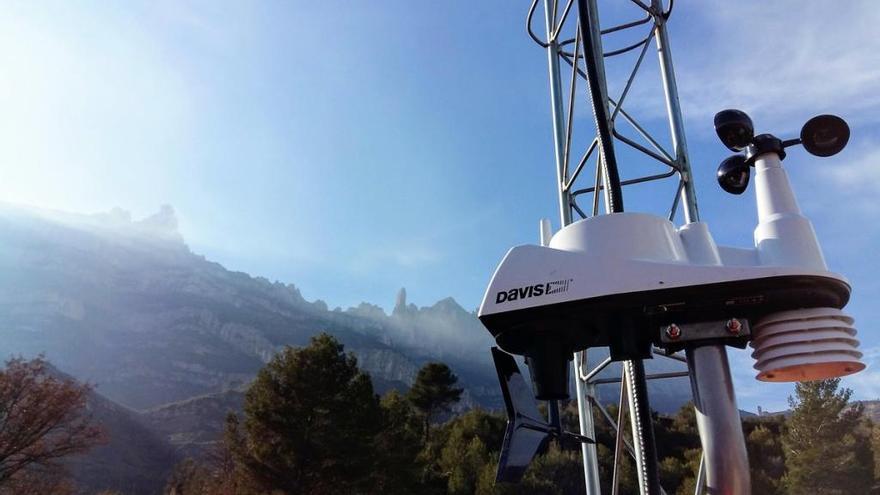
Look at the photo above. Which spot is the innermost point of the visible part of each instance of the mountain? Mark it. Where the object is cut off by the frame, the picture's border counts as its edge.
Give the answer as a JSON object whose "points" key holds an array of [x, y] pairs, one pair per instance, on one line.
{"points": [[134, 459], [872, 410], [193, 425], [126, 305]]}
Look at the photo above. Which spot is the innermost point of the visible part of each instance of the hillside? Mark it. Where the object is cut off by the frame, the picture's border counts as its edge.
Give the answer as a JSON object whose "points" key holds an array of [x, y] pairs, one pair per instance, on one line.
{"points": [[128, 306], [133, 460], [191, 426], [159, 329], [872, 410]]}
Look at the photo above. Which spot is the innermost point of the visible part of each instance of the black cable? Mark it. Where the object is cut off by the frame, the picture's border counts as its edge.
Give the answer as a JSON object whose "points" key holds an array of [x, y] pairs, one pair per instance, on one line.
{"points": [[620, 51], [638, 385], [600, 111], [645, 448], [669, 10], [529, 25]]}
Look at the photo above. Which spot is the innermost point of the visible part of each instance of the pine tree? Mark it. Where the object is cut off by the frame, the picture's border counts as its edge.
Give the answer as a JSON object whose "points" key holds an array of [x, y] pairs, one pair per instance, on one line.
{"points": [[766, 460], [470, 443], [556, 472], [875, 445], [398, 446], [311, 421], [827, 448], [434, 392]]}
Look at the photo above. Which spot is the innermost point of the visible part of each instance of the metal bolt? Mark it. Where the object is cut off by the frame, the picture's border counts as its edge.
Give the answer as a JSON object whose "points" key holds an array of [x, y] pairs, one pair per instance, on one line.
{"points": [[673, 332], [734, 326]]}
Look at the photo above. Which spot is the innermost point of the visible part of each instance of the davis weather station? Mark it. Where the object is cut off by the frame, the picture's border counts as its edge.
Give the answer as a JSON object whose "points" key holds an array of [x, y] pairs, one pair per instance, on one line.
{"points": [[618, 286]]}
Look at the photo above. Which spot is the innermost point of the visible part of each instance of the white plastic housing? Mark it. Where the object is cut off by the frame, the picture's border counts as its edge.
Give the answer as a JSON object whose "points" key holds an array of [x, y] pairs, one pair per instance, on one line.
{"points": [[628, 254], [623, 253], [804, 344]]}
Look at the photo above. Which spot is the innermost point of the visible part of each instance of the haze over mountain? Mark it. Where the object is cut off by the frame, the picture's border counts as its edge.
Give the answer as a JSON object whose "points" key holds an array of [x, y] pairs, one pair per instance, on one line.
{"points": [[132, 458], [126, 305], [173, 339]]}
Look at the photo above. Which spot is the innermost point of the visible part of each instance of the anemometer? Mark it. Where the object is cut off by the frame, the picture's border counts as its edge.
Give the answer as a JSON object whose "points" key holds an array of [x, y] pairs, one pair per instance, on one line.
{"points": [[635, 285]]}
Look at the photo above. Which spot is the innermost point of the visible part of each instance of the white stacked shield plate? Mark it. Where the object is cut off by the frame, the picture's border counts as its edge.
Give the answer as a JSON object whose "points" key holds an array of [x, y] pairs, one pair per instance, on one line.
{"points": [[805, 344]]}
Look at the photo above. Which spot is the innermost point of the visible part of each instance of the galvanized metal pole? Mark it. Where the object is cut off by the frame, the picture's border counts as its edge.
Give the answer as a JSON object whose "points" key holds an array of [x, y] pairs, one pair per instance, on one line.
{"points": [[724, 454], [673, 109], [557, 108], [724, 451], [588, 427]]}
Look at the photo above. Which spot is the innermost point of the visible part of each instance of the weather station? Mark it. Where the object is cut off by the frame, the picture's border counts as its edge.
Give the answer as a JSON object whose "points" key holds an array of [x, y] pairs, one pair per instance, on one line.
{"points": [[628, 286]]}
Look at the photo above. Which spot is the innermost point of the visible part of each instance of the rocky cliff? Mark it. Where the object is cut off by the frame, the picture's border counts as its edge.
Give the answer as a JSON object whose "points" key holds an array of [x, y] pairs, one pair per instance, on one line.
{"points": [[126, 305]]}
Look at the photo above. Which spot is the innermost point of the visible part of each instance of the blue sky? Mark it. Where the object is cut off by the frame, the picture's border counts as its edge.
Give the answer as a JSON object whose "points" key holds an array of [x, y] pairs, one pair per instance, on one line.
{"points": [[353, 148]]}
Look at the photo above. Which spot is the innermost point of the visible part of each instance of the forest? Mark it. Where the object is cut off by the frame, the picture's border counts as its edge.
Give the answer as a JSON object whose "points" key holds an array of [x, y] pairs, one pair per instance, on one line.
{"points": [[312, 423]]}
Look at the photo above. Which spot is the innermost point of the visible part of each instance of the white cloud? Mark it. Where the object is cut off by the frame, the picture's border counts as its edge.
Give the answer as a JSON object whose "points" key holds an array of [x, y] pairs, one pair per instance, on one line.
{"points": [[848, 182], [781, 60], [860, 172]]}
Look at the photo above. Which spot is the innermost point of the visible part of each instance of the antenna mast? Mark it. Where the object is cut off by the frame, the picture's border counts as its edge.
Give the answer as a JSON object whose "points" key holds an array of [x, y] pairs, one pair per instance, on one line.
{"points": [[574, 42]]}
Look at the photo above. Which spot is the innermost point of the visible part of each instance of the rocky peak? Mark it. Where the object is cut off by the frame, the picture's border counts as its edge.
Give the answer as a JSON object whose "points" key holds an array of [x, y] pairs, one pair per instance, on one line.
{"points": [[401, 308], [161, 225], [400, 302]]}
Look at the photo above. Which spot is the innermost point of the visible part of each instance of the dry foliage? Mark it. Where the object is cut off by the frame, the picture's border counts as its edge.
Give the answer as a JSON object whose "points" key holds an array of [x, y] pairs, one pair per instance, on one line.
{"points": [[42, 420]]}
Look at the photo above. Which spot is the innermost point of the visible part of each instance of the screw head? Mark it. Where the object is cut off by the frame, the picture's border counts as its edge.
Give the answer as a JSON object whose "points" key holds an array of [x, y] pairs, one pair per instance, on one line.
{"points": [[673, 332], [734, 326]]}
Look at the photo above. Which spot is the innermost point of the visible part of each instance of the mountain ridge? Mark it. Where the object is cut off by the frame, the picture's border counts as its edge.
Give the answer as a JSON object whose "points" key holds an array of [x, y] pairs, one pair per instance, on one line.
{"points": [[172, 335], [150, 322]]}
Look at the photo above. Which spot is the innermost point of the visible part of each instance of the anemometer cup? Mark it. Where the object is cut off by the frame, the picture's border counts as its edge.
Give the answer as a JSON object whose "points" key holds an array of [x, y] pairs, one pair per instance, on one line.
{"points": [[734, 128], [825, 135], [733, 174]]}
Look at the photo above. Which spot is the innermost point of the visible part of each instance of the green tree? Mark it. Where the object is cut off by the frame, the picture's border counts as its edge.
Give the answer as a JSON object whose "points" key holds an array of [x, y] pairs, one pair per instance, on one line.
{"points": [[466, 450], [398, 445], [471, 441], [679, 450], [766, 458], [434, 392], [311, 421], [875, 445], [827, 448], [557, 472], [221, 472], [462, 454]]}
